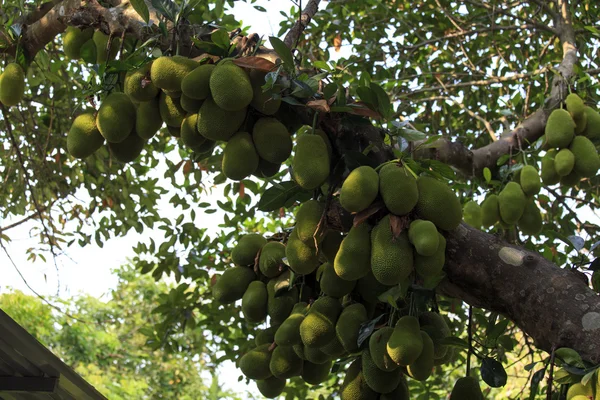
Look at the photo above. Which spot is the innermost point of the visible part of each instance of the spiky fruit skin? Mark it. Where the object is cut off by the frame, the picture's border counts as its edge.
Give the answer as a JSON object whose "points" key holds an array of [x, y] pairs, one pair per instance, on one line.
{"points": [[331, 284], [490, 211], [531, 221], [272, 140], [265, 336], [101, 41], [437, 329], [254, 302], [230, 87], [592, 128], [530, 181], [427, 266], [285, 363], [255, 363], [405, 343], [244, 253], [438, 203], [549, 174], [560, 129], [138, 85], [378, 349], [391, 259], [307, 220], [564, 162], [587, 161], [318, 328], [511, 202], [348, 325], [353, 259], [378, 380], [174, 131], [325, 138], [400, 393], [570, 180], [190, 105], [314, 374], [129, 149], [472, 214], [12, 85], [170, 110], [116, 117], [271, 387], [370, 288], [196, 84], [334, 349], [422, 367], [310, 165], [232, 285], [398, 188], [147, 119], [271, 257], [205, 149], [331, 244], [424, 236], [263, 101], [167, 73], [575, 106], [354, 386], [466, 388], [214, 123], [302, 258], [359, 189], [239, 157], [189, 134], [279, 308], [266, 169], [84, 138], [315, 355], [288, 333], [73, 39]]}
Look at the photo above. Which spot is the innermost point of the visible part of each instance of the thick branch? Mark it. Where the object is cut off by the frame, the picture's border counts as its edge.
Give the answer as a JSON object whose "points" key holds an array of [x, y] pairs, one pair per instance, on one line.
{"points": [[294, 34]]}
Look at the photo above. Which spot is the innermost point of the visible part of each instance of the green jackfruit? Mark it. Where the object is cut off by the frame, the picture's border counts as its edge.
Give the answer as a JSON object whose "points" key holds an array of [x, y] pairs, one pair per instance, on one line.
{"points": [[314, 374], [307, 220], [334, 349], [405, 343], [170, 110], [239, 157], [232, 285], [422, 367], [353, 259], [301, 258], [174, 131], [490, 211], [285, 363], [116, 117], [354, 386], [370, 288], [84, 138], [103, 54], [578, 389], [377, 379], [549, 174], [271, 387], [262, 101], [331, 244], [570, 180], [174, 94], [147, 119], [205, 149], [359, 189], [310, 165], [438, 203], [280, 307], [266, 169], [560, 129], [530, 181], [254, 302], [592, 128], [189, 134], [288, 333], [230, 87], [325, 138], [129, 149], [315, 355], [12, 85], [348, 326], [255, 363], [378, 349], [466, 388], [398, 189], [167, 73], [429, 266], [587, 161], [271, 259], [472, 214], [437, 329], [511, 202], [190, 105], [138, 85], [272, 140], [424, 236], [575, 106], [531, 221], [400, 393], [215, 123], [564, 161], [391, 258], [195, 84], [264, 336], [244, 253], [73, 39], [318, 328], [580, 124], [88, 51], [331, 284]]}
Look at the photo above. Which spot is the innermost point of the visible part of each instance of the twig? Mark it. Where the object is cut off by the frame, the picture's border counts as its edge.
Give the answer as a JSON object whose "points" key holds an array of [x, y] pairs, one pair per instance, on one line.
{"points": [[550, 375], [22, 221], [470, 333], [294, 34]]}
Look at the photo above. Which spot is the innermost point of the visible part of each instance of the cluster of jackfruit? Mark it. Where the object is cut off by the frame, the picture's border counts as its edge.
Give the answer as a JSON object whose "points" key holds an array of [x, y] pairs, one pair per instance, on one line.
{"points": [[89, 45], [12, 85]]}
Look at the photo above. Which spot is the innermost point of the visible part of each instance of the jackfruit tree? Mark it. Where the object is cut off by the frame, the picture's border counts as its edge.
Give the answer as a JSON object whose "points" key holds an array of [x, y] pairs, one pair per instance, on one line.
{"points": [[414, 218]]}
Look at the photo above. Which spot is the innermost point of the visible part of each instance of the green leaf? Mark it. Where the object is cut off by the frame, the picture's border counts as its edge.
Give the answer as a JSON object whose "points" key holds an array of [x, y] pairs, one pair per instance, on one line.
{"points": [[487, 174], [166, 8], [275, 197], [493, 373], [454, 341], [283, 52], [221, 39], [569, 357], [142, 9]]}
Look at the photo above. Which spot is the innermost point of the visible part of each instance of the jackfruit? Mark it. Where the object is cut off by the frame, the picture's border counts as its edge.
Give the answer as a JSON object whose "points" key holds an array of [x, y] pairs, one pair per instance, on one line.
{"points": [[170, 110], [190, 105], [424, 236], [280, 307], [531, 221], [580, 124], [88, 51], [578, 389], [549, 174], [307, 220], [73, 39], [437, 329], [370, 288], [167, 73], [266, 169], [129, 149], [354, 386], [189, 133], [490, 211], [331, 244], [422, 367], [264, 336], [511, 202], [254, 302], [239, 157], [560, 129], [310, 165], [84, 138], [285, 363], [377, 379], [316, 373], [271, 387], [406, 343], [272, 140], [174, 131], [530, 181], [400, 393], [587, 161], [334, 349], [116, 117], [564, 161], [353, 259], [575, 106], [205, 149], [570, 180], [288, 333], [592, 128], [315, 355], [466, 388], [472, 214], [391, 258], [348, 326], [438, 203], [359, 189], [244, 253], [102, 53], [398, 189], [230, 87], [318, 328], [147, 119], [331, 284], [299, 350], [255, 363], [301, 258], [174, 94], [262, 101], [325, 138], [12, 85], [138, 85], [195, 84], [378, 349], [232, 285], [215, 123], [427, 266], [271, 259]]}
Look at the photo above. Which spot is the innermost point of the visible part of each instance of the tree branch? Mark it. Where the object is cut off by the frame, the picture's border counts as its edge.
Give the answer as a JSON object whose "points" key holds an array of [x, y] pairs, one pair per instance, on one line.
{"points": [[294, 34]]}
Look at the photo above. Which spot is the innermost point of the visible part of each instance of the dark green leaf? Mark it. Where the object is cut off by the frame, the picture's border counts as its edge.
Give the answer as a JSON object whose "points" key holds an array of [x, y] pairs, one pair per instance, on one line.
{"points": [[283, 52], [276, 196], [493, 373], [366, 329], [142, 9]]}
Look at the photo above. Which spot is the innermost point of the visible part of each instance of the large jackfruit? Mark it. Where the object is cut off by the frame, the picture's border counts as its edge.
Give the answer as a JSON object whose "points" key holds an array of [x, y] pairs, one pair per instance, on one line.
{"points": [[548, 173], [400, 393], [285, 363], [266, 169], [310, 165], [564, 161], [138, 85], [560, 129], [103, 54], [370, 288], [438, 203], [272, 140], [587, 161], [570, 180], [129, 149], [271, 387], [73, 39], [12, 85], [592, 128], [318, 328], [271, 259], [334, 349], [466, 388], [116, 117], [190, 105], [244, 253], [405, 343], [288, 333], [331, 244], [263, 101], [377, 379], [348, 326], [325, 138], [196, 84], [437, 329], [230, 87], [398, 189], [490, 211], [265, 336], [147, 119], [354, 386], [575, 106], [511, 202], [422, 367], [314, 374], [359, 189], [472, 214], [531, 221], [301, 258], [232, 285], [391, 258], [84, 138], [170, 110], [424, 236], [530, 180], [239, 157], [167, 73], [331, 284], [307, 220], [280, 307], [315, 355], [378, 349], [254, 302], [353, 259], [214, 123], [189, 134], [255, 363], [427, 266]]}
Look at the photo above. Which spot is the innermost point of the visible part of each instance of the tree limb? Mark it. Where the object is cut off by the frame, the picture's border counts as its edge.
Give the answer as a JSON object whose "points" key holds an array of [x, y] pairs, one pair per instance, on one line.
{"points": [[294, 34]]}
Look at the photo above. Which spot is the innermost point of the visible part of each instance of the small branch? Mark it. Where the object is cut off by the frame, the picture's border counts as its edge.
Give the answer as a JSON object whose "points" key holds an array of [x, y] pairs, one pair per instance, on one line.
{"points": [[309, 11], [508, 14], [22, 221]]}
